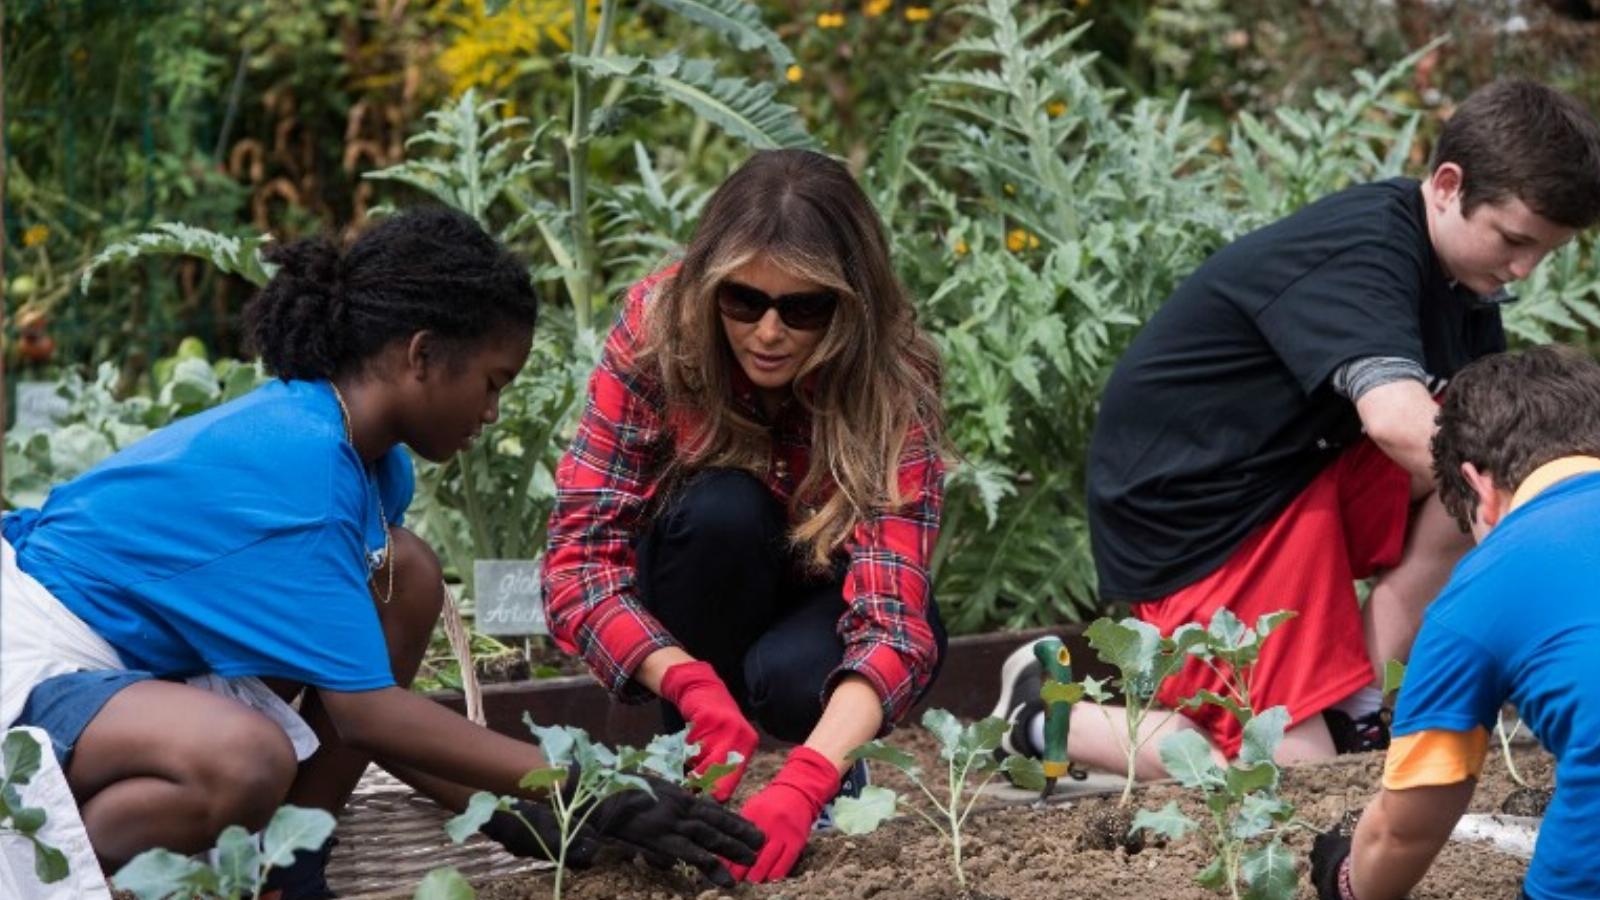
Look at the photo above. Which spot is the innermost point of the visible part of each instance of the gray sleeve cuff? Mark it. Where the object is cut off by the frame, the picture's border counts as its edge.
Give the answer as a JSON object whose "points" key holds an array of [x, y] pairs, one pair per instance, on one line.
{"points": [[1358, 376]]}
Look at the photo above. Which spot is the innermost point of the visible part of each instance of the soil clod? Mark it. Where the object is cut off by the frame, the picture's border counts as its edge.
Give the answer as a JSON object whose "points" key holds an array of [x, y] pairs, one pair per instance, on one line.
{"points": [[1528, 801]]}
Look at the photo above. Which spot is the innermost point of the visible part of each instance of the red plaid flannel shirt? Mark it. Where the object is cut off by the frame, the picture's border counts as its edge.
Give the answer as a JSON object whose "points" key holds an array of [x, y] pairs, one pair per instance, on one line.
{"points": [[604, 486]]}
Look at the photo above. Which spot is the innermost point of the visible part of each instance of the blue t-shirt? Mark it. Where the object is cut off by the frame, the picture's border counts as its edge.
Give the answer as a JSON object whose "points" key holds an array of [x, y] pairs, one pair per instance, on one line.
{"points": [[1520, 621], [237, 541]]}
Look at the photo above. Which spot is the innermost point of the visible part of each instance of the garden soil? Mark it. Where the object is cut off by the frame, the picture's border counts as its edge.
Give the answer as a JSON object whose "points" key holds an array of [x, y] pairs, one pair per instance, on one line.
{"points": [[1034, 853]]}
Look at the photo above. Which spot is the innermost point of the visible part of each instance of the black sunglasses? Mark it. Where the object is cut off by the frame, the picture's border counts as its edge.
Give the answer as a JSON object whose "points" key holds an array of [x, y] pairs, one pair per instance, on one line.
{"points": [[805, 312]]}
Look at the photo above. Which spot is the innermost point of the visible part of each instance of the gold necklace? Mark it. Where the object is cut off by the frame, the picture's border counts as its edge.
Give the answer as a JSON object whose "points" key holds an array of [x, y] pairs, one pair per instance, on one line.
{"points": [[388, 543]]}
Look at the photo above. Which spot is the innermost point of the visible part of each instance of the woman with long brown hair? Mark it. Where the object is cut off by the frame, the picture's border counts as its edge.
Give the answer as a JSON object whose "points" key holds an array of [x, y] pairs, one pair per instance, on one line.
{"points": [[744, 520]]}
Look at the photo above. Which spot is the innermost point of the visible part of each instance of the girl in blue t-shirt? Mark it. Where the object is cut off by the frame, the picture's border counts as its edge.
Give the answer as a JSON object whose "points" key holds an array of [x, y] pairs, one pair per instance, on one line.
{"points": [[161, 607]]}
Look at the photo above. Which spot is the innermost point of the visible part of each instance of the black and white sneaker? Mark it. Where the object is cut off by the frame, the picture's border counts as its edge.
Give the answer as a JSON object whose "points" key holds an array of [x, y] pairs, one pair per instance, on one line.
{"points": [[1020, 681], [1360, 734], [855, 778]]}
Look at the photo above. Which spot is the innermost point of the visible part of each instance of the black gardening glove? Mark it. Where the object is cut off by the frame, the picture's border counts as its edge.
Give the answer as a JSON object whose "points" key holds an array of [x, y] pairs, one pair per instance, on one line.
{"points": [[676, 826], [505, 829], [1329, 852]]}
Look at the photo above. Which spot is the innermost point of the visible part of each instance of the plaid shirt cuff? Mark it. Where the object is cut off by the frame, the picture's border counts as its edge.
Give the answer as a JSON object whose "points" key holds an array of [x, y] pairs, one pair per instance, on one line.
{"points": [[615, 645]]}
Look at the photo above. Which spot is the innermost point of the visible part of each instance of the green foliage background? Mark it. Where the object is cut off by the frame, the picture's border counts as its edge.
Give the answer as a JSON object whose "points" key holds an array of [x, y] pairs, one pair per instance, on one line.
{"points": [[1049, 172]]}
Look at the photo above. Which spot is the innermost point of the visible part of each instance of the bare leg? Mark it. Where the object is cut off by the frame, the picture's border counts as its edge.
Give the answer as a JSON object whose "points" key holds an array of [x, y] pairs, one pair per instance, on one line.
{"points": [[1098, 738], [168, 765], [1393, 613], [327, 779]]}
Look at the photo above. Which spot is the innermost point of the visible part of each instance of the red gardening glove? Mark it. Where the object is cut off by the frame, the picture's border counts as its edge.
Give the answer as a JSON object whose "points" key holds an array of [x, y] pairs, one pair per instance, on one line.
{"points": [[785, 810], [715, 722]]}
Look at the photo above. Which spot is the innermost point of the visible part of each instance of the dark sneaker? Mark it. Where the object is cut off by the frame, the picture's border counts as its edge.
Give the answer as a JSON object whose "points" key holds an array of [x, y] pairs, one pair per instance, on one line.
{"points": [[855, 778], [1020, 680], [1358, 735], [306, 878]]}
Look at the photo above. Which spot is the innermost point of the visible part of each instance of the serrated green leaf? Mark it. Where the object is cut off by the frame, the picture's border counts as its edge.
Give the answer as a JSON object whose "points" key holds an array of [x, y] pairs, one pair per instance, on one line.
{"points": [[293, 828], [946, 728], [1056, 692], [444, 884], [707, 779], [558, 742], [1187, 756], [156, 874], [544, 779], [981, 737], [1226, 631], [1167, 821], [863, 815], [1095, 689], [232, 255], [1214, 877], [1239, 711], [1130, 646], [1243, 778], [737, 20], [26, 819], [480, 809]]}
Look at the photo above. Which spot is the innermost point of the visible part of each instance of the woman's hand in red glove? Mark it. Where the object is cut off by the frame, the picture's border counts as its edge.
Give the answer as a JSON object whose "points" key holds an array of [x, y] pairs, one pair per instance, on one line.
{"points": [[785, 811], [715, 722]]}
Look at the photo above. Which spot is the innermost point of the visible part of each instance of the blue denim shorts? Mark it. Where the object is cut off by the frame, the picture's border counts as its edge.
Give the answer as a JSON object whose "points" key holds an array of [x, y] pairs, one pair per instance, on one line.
{"points": [[65, 705]]}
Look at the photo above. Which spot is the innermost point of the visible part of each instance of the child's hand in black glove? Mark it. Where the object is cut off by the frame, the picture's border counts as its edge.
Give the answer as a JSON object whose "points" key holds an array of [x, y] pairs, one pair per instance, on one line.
{"points": [[1330, 854]]}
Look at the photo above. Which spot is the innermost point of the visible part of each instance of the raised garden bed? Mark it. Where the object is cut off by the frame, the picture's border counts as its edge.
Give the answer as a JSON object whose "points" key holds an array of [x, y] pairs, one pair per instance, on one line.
{"points": [[1034, 853]]}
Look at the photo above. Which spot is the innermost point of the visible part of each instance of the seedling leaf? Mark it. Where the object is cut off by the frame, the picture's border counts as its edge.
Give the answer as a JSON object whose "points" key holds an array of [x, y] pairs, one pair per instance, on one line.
{"points": [[27, 819], [294, 828], [1095, 689], [1258, 813], [156, 874], [1187, 757], [1024, 772], [238, 858], [1213, 877], [1226, 629], [706, 780], [542, 779], [1270, 622], [878, 751], [1268, 872], [559, 744], [480, 809], [1243, 778], [21, 756], [1166, 821], [946, 728], [1129, 645], [862, 815], [1262, 735], [1240, 712], [979, 739], [49, 864], [444, 884]]}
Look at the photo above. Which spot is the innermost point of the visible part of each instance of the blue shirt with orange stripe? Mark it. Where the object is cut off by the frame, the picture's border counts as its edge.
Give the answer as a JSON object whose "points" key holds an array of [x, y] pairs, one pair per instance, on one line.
{"points": [[1519, 622]]}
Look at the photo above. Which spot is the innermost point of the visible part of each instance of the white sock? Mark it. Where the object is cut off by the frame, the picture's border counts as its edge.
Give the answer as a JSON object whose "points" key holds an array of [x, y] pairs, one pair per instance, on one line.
{"points": [[1036, 733], [1361, 703]]}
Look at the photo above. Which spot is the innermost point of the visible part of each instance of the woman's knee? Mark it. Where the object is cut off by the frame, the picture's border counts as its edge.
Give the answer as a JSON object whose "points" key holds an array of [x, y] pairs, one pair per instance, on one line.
{"points": [[726, 509], [244, 770], [785, 681]]}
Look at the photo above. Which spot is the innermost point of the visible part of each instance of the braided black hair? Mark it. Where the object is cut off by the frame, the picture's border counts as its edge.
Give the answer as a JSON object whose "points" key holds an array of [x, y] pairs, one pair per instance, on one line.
{"points": [[433, 268]]}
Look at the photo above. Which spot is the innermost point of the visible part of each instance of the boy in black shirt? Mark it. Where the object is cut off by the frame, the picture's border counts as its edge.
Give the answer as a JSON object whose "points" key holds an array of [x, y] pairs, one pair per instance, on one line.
{"points": [[1265, 440]]}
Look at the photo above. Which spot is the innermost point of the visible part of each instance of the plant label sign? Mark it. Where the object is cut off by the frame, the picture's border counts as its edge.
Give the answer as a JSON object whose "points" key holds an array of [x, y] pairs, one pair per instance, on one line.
{"points": [[38, 405], [510, 602]]}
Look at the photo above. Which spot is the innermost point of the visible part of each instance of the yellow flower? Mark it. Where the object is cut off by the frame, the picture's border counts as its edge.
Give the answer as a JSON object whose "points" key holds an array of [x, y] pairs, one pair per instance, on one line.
{"points": [[35, 235], [794, 74], [1010, 189], [830, 20], [1056, 109], [875, 8], [918, 14], [961, 247], [1018, 240]]}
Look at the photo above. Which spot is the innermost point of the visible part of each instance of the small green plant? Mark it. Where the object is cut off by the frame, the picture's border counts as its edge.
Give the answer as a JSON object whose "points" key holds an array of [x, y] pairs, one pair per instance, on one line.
{"points": [[21, 754], [1143, 660], [242, 860], [968, 751], [1230, 649], [581, 774], [1247, 817]]}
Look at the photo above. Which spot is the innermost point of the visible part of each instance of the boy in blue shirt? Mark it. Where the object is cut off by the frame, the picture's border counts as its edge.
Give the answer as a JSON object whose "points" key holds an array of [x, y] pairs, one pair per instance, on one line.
{"points": [[1517, 456]]}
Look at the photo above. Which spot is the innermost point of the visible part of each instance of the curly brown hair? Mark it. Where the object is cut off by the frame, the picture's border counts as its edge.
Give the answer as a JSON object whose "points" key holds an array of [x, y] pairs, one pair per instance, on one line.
{"points": [[1510, 413]]}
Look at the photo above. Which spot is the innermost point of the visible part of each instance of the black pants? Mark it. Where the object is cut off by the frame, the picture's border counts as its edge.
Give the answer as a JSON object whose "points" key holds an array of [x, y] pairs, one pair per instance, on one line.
{"points": [[714, 569]]}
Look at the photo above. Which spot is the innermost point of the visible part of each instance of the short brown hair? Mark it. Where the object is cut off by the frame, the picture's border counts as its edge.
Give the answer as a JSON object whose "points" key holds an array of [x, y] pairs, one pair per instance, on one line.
{"points": [[1516, 138], [1510, 413]]}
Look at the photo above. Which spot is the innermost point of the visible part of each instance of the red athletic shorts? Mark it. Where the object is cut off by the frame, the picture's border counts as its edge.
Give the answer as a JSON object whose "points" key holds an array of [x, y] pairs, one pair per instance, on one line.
{"points": [[1347, 524]]}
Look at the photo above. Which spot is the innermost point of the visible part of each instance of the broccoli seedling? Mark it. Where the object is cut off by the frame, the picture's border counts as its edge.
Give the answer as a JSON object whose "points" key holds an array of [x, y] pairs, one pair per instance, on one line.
{"points": [[21, 756], [600, 772], [1245, 810], [968, 752], [1143, 660], [1230, 649], [242, 860]]}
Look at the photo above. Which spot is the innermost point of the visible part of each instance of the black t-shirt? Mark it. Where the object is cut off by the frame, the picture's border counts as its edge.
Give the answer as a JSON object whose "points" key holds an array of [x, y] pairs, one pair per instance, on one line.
{"points": [[1221, 411]]}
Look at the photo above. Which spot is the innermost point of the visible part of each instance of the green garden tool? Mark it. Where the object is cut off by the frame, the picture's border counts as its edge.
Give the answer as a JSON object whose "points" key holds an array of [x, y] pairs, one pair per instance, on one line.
{"points": [[1058, 692]]}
